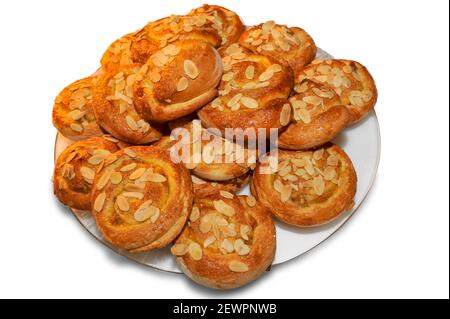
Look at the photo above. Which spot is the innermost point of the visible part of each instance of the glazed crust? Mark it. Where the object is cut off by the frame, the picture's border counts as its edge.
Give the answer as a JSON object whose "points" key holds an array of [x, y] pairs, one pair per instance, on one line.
{"points": [[229, 164], [318, 117], [161, 95], [203, 187], [290, 46], [350, 80], [146, 198], [72, 114], [75, 169], [228, 24], [317, 199], [263, 85], [238, 255], [115, 110]]}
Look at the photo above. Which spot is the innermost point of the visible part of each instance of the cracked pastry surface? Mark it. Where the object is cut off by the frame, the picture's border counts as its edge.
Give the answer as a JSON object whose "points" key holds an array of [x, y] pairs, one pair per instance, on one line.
{"points": [[307, 188], [228, 241], [141, 199], [75, 169], [115, 109], [290, 46], [350, 80], [253, 93], [318, 117], [72, 113]]}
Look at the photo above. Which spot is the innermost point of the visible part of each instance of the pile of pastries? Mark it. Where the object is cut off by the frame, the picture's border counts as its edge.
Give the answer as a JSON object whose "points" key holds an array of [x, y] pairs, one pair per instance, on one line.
{"points": [[206, 72]]}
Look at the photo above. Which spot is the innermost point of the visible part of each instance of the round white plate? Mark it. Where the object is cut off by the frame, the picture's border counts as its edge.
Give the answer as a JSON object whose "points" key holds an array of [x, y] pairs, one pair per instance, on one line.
{"points": [[362, 144]]}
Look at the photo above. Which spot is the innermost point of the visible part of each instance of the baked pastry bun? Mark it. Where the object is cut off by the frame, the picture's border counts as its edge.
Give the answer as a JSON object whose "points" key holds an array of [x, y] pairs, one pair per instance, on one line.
{"points": [[203, 187], [307, 188], [177, 80], [290, 46], [75, 169], [350, 80], [72, 114], [207, 155], [228, 241], [115, 110], [227, 23], [253, 93], [318, 117], [141, 199]]}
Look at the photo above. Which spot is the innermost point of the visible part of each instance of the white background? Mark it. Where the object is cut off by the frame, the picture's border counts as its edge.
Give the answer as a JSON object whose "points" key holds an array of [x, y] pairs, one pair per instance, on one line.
{"points": [[396, 245]]}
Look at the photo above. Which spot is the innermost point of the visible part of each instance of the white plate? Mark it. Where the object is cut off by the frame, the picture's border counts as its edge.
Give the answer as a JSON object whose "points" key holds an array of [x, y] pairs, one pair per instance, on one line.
{"points": [[362, 144]]}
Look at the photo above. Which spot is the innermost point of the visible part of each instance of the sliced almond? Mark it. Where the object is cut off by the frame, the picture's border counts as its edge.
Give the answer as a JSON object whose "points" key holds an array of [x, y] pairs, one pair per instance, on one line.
{"points": [[116, 178], [205, 224], [224, 208], [209, 241], [137, 173], [128, 167], [237, 266], [234, 100], [244, 231], [226, 194], [136, 187], [227, 76], [265, 76], [76, 127], [131, 123], [156, 178], [122, 203], [329, 173], [195, 251], [130, 152], [155, 212], [318, 185], [99, 202], [195, 214], [179, 249], [286, 193], [332, 160], [274, 68], [87, 173], [249, 102], [182, 84], [285, 115], [318, 154], [104, 179], [251, 201], [190, 69], [250, 72], [227, 245], [241, 248], [137, 195]]}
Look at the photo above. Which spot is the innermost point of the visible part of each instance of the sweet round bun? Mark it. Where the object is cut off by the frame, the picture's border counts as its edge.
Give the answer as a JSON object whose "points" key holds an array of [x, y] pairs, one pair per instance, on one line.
{"points": [[290, 46], [307, 188], [72, 114], [75, 169], [177, 80], [253, 93], [318, 117], [115, 110], [228, 242], [350, 80], [141, 199]]}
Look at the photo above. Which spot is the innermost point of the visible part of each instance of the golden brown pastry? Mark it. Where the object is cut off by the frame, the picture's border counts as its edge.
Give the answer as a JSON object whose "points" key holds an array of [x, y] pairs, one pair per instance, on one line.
{"points": [[306, 188], [291, 46], [207, 155], [75, 169], [227, 23], [228, 242], [132, 48], [203, 187], [115, 110], [177, 80], [350, 80], [72, 114], [318, 117], [253, 93], [141, 199]]}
